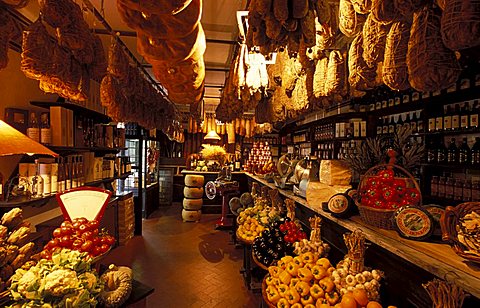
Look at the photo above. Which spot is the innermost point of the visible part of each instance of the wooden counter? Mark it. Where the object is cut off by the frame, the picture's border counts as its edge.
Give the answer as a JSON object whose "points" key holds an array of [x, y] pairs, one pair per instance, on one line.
{"points": [[435, 258]]}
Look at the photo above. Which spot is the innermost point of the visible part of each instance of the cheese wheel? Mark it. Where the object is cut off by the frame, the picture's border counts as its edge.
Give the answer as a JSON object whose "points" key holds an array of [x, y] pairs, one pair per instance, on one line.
{"points": [[193, 192], [191, 215], [192, 180], [192, 204]]}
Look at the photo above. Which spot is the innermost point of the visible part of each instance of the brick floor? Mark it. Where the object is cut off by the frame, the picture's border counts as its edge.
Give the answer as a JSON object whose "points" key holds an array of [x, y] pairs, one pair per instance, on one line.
{"points": [[188, 264]]}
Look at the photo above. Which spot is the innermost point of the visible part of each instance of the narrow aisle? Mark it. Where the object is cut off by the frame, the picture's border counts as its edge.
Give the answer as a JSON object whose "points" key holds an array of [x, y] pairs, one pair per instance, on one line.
{"points": [[188, 264]]}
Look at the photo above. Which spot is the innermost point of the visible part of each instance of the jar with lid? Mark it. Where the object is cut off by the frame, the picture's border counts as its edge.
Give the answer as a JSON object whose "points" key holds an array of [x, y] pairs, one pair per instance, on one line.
{"points": [[467, 191], [476, 191], [449, 188], [441, 187], [434, 186], [458, 190]]}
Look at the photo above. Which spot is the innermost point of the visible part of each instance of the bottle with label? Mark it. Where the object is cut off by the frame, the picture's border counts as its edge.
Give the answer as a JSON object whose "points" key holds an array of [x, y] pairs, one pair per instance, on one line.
{"points": [[61, 175], [45, 173], [441, 153], [399, 123], [473, 122], [391, 126], [447, 119], [67, 170], [475, 153], [456, 118], [37, 182], [406, 123], [74, 171], [432, 123], [33, 130], [431, 152], [467, 191], [45, 132], [449, 188], [475, 191], [434, 186], [464, 116], [54, 177], [441, 187], [2, 189], [385, 126], [81, 171], [420, 126], [458, 190], [464, 152], [413, 122], [23, 180], [452, 152]]}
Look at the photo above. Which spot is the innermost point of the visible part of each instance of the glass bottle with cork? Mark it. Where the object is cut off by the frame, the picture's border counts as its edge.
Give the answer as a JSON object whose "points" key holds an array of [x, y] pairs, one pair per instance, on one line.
{"points": [[452, 152], [33, 130], [464, 152], [45, 132]]}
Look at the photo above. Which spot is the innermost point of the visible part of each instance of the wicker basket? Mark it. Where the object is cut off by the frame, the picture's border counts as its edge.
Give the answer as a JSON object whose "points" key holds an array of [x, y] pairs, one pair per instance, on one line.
{"points": [[258, 263], [379, 217], [264, 293], [449, 222]]}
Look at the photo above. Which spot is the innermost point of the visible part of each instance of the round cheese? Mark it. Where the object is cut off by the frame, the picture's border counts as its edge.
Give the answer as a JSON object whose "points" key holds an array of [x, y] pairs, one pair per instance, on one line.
{"points": [[194, 180], [191, 215], [192, 204], [193, 192]]}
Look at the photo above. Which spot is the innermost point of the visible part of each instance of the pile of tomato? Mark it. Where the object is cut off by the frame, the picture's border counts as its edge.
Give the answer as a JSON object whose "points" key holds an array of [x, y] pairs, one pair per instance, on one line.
{"points": [[79, 234], [292, 232], [385, 191]]}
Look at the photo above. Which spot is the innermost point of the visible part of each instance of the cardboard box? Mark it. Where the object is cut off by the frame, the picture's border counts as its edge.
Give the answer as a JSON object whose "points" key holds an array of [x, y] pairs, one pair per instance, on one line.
{"points": [[58, 125]]}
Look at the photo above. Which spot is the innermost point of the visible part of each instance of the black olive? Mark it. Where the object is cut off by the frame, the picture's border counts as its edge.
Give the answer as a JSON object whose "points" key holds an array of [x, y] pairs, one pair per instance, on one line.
{"points": [[271, 241]]}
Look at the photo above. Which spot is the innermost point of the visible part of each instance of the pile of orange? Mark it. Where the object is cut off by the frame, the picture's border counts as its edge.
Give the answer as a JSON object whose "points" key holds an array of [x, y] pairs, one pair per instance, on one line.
{"points": [[358, 299]]}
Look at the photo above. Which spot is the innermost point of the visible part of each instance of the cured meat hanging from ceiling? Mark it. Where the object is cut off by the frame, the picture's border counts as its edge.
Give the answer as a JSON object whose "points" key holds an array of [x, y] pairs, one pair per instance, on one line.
{"points": [[129, 97], [16, 4], [171, 38], [7, 30]]}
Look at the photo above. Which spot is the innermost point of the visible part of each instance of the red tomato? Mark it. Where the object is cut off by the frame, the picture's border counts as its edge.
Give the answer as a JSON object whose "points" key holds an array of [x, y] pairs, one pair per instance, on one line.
{"points": [[386, 175], [93, 225], [57, 233], [95, 251], [81, 220], [77, 244], [87, 246], [104, 248], [94, 232], [97, 241], [373, 182], [389, 194], [52, 244], [83, 228], [67, 223], [283, 227], [413, 195], [66, 241], [76, 225], [87, 235], [66, 230], [45, 254], [110, 240]]}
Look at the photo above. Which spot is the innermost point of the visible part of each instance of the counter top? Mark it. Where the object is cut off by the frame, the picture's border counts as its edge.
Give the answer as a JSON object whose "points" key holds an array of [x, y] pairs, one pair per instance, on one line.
{"points": [[208, 172], [438, 259]]}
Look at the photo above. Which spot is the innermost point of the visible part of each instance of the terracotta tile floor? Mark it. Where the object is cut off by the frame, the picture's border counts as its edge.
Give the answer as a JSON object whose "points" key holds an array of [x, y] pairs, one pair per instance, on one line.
{"points": [[188, 264]]}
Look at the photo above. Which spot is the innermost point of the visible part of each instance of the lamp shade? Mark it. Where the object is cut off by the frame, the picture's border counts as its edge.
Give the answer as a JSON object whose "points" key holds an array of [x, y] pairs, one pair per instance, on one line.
{"points": [[212, 135], [13, 142]]}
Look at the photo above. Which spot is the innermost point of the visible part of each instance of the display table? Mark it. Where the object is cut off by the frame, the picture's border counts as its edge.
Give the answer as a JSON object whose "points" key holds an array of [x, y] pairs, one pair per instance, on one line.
{"points": [[407, 263], [138, 297], [215, 205]]}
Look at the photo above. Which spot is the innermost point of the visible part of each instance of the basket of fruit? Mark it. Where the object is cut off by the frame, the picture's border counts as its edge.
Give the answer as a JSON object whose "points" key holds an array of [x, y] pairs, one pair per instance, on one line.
{"points": [[384, 189], [461, 228]]}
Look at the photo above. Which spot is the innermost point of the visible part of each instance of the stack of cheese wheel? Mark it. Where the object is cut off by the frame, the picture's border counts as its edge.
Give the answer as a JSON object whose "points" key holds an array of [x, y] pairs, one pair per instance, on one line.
{"points": [[170, 37], [192, 201]]}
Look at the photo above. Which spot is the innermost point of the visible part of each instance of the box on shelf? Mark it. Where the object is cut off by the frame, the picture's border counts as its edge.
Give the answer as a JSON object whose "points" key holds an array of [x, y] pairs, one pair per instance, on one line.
{"points": [[58, 125], [125, 220]]}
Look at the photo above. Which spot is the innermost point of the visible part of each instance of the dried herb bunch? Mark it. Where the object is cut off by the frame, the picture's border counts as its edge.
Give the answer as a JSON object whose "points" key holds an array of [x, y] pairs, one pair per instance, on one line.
{"points": [[373, 151]]}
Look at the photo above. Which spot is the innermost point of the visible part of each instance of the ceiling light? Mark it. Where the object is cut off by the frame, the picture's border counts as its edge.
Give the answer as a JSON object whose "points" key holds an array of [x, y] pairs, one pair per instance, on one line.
{"points": [[212, 135]]}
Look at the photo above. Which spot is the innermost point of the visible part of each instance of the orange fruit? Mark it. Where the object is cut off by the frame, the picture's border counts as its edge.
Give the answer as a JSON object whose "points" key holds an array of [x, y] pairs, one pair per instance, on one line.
{"points": [[361, 297], [374, 304], [348, 301]]}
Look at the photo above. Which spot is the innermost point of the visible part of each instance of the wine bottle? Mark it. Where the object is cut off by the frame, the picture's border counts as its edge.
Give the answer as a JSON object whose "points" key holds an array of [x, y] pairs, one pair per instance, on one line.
{"points": [[464, 152], [447, 119], [464, 115], [420, 125], [452, 152], [37, 182], [413, 123], [399, 123], [474, 115], [33, 130], [391, 126], [45, 132], [441, 152], [475, 158], [456, 118], [406, 123]]}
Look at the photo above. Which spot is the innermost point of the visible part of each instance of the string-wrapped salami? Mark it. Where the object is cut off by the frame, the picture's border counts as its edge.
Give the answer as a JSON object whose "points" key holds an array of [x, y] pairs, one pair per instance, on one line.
{"points": [[374, 37], [460, 24], [320, 77], [431, 66], [157, 6], [395, 70], [98, 68], [37, 51], [59, 13], [361, 76], [350, 23], [384, 11], [117, 60], [335, 81], [408, 7], [362, 6], [7, 28], [165, 26]]}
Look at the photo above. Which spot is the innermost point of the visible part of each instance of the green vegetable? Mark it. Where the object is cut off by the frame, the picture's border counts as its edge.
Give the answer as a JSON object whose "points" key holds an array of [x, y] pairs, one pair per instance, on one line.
{"points": [[65, 281]]}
